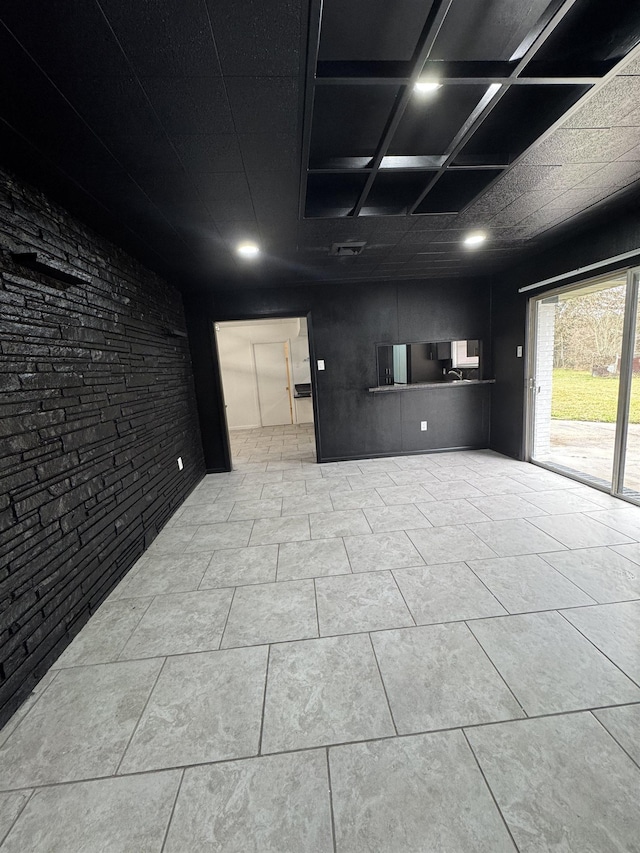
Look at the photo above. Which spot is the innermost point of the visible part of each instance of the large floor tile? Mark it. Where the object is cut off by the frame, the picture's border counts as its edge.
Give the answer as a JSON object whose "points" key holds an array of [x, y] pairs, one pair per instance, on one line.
{"points": [[273, 804], [12, 723], [515, 536], [626, 521], [458, 511], [272, 531], [549, 666], [446, 593], [229, 534], [104, 636], [11, 804], [562, 501], [369, 601], [398, 517], [356, 499], [408, 494], [205, 707], [180, 623], [449, 544], [285, 489], [503, 507], [527, 582], [248, 510], [453, 490], [438, 677], [349, 522], [162, 574], [562, 784], [413, 795], [501, 484], [305, 504], [381, 551], [623, 723], [315, 558], [271, 613], [204, 514], [80, 726], [576, 530], [241, 566], [601, 572], [327, 485], [172, 540], [324, 691], [118, 815], [615, 630], [631, 552]]}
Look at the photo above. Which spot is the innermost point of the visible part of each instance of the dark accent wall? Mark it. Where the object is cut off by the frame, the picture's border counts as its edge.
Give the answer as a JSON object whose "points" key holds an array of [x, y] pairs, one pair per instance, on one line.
{"points": [[97, 404], [347, 322], [621, 234]]}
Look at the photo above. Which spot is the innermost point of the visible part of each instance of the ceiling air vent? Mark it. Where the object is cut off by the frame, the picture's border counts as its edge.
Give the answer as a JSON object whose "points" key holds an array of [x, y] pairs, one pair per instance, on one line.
{"points": [[347, 250]]}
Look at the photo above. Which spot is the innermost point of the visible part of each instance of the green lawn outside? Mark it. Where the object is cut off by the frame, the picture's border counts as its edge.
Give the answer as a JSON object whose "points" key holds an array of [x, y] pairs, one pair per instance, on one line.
{"points": [[579, 396]]}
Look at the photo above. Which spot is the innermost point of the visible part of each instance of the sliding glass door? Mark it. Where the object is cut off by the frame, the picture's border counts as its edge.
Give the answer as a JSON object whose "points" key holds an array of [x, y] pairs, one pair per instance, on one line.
{"points": [[584, 382]]}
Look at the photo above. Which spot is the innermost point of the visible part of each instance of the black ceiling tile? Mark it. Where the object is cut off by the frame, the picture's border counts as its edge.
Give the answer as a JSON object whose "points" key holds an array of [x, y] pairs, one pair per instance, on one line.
{"points": [[212, 152], [233, 232], [111, 106], [582, 146], [274, 194], [617, 174], [257, 37], [177, 200], [610, 106], [226, 195], [577, 198], [567, 175], [141, 154], [269, 152], [190, 105], [162, 38], [264, 104], [524, 206], [65, 37]]}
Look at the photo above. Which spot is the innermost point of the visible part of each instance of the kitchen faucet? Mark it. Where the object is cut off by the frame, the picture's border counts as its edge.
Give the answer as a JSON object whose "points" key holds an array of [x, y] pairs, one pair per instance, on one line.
{"points": [[457, 373]]}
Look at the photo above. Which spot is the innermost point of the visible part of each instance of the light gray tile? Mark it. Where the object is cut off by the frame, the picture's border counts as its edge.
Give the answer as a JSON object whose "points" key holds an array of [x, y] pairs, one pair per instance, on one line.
{"points": [[540, 480], [324, 691], [576, 530], [357, 482], [602, 499], [515, 536], [205, 707], [438, 677], [339, 469], [119, 815], [104, 636], [453, 490], [377, 466], [356, 499], [312, 559], [549, 666], [240, 566], [283, 465], [162, 574], [561, 784], [271, 613], [274, 804], [399, 517], [399, 495], [501, 485], [305, 504], [459, 511], [501, 507], [413, 794], [253, 478], [80, 726], [455, 473], [448, 544], [240, 493], [271, 531], [615, 630], [171, 540], [626, 521], [623, 723], [12, 723], [600, 572], [328, 485], [446, 593], [369, 601], [213, 537], [204, 514], [631, 552], [417, 476], [527, 582], [286, 489], [349, 522], [180, 623], [11, 804], [377, 551], [565, 500], [248, 510]]}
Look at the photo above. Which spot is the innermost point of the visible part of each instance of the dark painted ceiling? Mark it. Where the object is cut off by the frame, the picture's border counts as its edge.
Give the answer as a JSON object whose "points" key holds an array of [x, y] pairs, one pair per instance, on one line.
{"points": [[186, 126]]}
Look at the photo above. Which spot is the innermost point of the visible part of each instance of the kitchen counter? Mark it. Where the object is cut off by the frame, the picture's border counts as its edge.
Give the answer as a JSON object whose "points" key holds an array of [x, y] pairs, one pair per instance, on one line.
{"points": [[420, 386]]}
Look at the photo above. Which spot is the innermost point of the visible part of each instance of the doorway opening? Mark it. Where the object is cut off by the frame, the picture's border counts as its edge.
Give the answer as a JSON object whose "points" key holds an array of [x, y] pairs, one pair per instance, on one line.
{"points": [[265, 367]]}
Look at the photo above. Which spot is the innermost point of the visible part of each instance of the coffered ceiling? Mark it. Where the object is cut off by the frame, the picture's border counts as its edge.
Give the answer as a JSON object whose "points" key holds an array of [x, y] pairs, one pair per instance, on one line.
{"points": [[184, 127]]}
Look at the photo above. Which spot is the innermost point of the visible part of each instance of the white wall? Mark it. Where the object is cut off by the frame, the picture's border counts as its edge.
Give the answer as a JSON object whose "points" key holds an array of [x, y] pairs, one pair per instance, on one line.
{"points": [[235, 346]]}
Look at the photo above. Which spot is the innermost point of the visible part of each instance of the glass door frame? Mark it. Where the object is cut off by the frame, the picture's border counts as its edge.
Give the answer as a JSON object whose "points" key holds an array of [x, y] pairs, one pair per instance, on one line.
{"points": [[624, 386]]}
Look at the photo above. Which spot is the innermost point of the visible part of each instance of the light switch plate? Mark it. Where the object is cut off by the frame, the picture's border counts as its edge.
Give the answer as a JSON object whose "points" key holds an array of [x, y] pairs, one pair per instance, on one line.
{"points": [[518, 352], [320, 364], [423, 425]]}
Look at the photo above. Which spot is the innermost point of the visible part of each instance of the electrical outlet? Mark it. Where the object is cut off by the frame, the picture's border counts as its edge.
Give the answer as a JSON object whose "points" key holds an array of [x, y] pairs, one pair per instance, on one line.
{"points": [[320, 364], [518, 352], [423, 426], [180, 463]]}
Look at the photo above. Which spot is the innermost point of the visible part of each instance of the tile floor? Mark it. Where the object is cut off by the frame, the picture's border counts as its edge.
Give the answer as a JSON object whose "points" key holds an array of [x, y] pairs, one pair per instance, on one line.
{"points": [[424, 653]]}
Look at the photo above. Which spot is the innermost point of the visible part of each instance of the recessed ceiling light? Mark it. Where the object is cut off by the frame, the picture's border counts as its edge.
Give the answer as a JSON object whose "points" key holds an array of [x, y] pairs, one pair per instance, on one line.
{"points": [[425, 87], [475, 239], [248, 250]]}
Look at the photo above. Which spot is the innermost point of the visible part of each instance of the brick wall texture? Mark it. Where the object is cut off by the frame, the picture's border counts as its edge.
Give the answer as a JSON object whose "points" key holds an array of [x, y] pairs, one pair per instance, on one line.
{"points": [[96, 404]]}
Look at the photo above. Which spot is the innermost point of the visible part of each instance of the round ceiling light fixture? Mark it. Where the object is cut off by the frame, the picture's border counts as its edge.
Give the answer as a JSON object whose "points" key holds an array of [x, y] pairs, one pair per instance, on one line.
{"points": [[426, 87], [248, 250], [475, 239]]}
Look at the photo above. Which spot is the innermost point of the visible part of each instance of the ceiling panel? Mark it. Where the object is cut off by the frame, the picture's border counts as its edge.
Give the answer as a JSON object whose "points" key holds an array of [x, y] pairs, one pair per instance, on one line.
{"points": [[190, 104]]}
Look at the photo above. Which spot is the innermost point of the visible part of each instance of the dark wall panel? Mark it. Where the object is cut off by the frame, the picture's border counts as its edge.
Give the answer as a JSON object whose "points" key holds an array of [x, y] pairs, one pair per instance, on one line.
{"points": [[97, 404], [347, 322]]}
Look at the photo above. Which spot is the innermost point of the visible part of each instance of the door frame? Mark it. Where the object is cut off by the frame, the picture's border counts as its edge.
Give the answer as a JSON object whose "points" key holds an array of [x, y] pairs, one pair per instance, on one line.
{"points": [[312, 371]]}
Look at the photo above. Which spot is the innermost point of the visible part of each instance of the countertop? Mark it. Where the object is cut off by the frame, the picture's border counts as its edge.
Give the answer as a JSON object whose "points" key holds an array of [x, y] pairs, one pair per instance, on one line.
{"points": [[420, 386]]}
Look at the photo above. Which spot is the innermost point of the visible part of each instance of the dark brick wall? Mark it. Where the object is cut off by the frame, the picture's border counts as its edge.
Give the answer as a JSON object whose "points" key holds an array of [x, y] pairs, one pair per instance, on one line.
{"points": [[96, 404]]}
